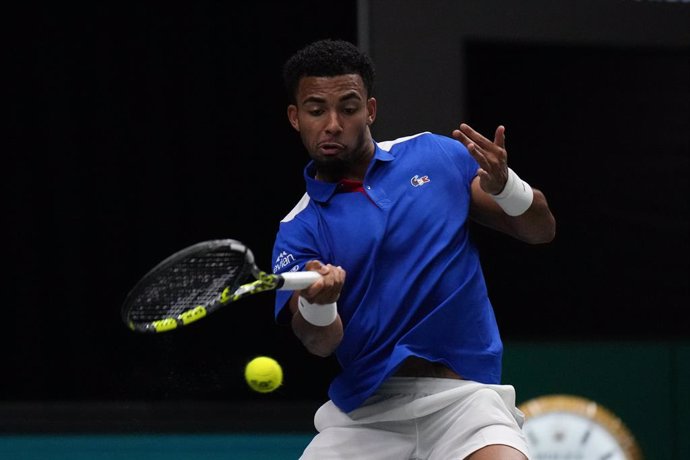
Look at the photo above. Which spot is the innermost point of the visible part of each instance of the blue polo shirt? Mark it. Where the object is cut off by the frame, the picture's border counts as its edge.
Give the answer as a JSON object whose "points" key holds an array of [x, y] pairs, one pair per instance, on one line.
{"points": [[414, 284]]}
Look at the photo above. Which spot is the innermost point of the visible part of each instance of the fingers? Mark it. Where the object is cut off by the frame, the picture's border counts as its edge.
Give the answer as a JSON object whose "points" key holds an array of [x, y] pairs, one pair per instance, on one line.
{"points": [[500, 136], [490, 155], [487, 153], [327, 289], [475, 150], [469, 135]]}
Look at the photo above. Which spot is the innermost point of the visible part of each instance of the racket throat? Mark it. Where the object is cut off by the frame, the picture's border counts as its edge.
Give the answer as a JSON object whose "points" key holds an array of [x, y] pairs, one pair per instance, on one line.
{"points": [[265, 282]]}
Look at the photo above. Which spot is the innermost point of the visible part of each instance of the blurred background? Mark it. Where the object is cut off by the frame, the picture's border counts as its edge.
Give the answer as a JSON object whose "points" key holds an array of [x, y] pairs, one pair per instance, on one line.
{"points": [[136, 129]]}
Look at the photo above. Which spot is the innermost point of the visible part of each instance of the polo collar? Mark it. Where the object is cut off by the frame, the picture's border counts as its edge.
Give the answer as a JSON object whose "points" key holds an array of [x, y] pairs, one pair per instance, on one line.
{"points": [[322, 192]]}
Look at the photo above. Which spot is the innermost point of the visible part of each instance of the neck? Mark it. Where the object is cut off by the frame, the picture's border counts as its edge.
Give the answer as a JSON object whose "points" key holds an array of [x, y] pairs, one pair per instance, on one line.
{"points": [[354, 169], [327, 174]]}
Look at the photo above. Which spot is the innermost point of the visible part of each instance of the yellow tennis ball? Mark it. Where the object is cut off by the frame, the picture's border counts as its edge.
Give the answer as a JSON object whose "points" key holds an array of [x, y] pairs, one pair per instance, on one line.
{"points": [[263, 374]]}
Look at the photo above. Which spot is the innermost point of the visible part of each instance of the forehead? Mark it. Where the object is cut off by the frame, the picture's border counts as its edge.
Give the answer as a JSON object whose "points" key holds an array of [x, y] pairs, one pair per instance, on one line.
{"points": [[330, 87]]}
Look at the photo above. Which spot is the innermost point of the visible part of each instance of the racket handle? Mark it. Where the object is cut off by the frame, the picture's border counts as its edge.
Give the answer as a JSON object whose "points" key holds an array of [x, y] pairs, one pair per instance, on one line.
{"points": [[298, 280]]}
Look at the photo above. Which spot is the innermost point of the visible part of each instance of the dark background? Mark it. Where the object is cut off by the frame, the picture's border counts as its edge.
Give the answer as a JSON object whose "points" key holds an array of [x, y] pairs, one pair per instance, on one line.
{"points": [[604, 131], [136, 130]]}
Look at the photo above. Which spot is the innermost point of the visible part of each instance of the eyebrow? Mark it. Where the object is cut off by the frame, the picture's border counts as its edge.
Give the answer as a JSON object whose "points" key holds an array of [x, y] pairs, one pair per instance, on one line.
{"points": [[319, 100]]}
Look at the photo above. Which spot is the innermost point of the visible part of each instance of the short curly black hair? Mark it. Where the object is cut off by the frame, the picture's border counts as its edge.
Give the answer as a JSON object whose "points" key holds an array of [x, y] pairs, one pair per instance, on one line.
{"points": [[327, 58]]}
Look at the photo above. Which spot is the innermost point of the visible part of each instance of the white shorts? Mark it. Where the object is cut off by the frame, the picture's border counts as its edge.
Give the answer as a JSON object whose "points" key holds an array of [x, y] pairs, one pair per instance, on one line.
{"points": [[420, 418]]}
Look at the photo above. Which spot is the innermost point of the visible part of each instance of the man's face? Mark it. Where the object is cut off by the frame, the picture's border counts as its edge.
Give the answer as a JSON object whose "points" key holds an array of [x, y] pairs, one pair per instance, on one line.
{"points": [[332, 115]]}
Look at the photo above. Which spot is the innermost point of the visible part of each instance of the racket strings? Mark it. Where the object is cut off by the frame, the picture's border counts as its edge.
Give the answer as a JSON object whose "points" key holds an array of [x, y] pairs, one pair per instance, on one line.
{"points": [[198, 279]]}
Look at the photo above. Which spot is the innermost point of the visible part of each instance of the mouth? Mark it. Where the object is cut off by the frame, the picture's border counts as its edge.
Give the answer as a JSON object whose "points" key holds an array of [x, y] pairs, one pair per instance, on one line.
{"points": [[330, 148]]}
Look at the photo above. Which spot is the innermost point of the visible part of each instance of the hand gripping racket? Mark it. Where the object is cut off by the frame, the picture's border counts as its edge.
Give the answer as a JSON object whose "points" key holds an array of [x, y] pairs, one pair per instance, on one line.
{"points": [[198, 280]]}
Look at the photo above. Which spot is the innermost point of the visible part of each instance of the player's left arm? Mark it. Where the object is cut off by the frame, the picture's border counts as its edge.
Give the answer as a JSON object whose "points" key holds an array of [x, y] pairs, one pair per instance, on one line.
{"points": [[527, 219]]}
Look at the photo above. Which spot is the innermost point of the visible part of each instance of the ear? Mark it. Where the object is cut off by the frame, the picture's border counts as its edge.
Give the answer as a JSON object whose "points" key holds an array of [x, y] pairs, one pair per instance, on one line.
{"points": [[292, 116], [371, 110]]}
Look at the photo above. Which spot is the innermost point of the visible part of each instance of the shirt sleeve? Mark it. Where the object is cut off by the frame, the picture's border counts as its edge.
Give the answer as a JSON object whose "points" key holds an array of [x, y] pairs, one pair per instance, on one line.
{"points": [[293, 248], [460, 156]]}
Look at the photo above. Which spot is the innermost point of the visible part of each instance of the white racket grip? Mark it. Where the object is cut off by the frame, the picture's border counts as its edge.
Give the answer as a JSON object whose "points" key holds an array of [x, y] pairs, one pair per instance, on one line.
{"points": [[298, 280]]}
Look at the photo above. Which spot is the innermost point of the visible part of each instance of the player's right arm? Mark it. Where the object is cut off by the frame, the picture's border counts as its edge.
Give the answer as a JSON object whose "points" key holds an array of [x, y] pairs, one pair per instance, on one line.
{"points": [[319, 340]]}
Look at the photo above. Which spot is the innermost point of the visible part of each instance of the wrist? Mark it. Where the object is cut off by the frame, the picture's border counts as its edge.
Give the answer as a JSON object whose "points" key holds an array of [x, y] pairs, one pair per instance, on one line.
{"points": [[317, 314], [516, 197]]}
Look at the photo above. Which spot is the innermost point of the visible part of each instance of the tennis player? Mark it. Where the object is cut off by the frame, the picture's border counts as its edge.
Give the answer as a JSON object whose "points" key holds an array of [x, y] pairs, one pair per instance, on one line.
{"points": [[411, 325]]}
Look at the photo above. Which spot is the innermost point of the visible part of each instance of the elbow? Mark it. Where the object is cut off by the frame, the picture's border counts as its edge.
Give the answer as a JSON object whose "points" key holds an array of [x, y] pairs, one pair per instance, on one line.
{"points": [[321, 352], [546, 233], [540, 226], [319, 341], [544, 239], [551, 235], [322, 348]]}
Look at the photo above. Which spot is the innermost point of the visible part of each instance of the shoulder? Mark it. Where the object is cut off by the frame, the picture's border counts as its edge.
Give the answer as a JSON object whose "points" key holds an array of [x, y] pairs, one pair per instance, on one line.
{"points": [[422, 141], [300, 209], [296, 228], [444, 151], [406, 141], [301, 222]]}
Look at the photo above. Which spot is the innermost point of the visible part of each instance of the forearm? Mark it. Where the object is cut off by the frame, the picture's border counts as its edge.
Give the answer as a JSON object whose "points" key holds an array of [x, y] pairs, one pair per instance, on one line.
{"points": [[536, 225], [318, 340]]}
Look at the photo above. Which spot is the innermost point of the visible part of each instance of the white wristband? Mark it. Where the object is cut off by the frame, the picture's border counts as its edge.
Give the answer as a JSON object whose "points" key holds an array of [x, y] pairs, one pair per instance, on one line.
{"points": [[317, 314], [516, 197]]}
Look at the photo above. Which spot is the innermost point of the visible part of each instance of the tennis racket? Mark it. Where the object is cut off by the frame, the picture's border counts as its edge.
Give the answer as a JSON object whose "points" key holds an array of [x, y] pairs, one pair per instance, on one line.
{"points": [[197, 281]]}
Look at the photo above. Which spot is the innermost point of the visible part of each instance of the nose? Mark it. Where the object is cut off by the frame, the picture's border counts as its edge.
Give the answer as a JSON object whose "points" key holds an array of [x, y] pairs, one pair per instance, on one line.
{"points": [[333, 125]]}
